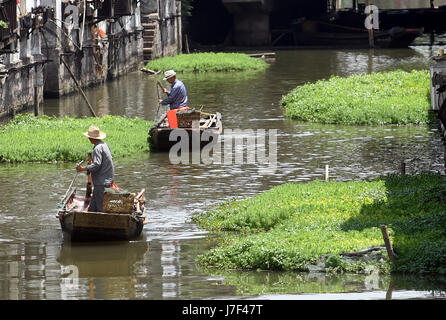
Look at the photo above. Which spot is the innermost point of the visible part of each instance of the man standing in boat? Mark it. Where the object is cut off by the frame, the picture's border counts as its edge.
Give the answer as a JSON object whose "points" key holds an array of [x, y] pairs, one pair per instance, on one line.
{"points": [[177, 96], [101, 168]]}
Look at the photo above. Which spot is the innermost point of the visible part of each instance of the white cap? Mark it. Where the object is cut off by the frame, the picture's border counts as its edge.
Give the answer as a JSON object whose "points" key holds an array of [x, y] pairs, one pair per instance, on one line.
{"points": [[169, 74]]}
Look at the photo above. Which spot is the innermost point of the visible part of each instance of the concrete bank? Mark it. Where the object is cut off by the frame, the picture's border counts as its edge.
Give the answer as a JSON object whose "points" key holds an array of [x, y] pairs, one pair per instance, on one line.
{"points": [[97, 42]]}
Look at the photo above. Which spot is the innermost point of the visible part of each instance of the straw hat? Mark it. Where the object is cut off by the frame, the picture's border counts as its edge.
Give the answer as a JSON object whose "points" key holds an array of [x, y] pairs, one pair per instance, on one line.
{"points": [[169, 74], [95, 133]]}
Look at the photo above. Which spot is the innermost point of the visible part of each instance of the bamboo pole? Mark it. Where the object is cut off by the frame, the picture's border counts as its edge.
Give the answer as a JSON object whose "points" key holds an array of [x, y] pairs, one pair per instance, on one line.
{"points": [[79, 87]]}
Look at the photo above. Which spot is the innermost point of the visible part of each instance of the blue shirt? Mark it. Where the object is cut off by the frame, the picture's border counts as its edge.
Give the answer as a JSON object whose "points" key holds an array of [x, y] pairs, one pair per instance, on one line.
{"points": [[177, 96]]}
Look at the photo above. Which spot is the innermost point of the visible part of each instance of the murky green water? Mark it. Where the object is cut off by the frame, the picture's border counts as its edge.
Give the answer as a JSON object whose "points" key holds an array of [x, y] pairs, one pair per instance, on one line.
{"points": [[36, 263]]}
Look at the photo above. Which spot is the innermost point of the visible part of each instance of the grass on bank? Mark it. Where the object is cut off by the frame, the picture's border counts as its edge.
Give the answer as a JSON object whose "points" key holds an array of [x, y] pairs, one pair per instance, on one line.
{"points": [[293, 225], [208, 62], [42, 139], [396, 97]]}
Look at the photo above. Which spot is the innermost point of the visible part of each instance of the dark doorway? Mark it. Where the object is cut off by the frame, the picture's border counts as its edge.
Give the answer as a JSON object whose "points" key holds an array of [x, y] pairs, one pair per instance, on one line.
{"points": [[210, 22]]}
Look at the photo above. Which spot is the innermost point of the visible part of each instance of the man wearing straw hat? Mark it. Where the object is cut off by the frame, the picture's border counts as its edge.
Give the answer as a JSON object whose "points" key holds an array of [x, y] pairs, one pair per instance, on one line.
{"points": [[101, 168]]}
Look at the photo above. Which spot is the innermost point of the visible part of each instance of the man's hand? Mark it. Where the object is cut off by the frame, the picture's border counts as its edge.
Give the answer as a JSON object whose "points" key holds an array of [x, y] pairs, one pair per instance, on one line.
{"points": [[159, 101], [81, 168]]}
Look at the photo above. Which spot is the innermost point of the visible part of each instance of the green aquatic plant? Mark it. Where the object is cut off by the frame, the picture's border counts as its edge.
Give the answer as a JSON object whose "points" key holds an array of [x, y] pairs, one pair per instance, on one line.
{"points": [[27, 138], [396, 97], [208, 62], [293, 225]]}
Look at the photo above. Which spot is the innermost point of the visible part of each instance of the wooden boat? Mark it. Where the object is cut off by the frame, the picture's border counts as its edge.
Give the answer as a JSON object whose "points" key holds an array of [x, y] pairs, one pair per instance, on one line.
{"points": [[80, 225], [160, 132], [320, 33]]}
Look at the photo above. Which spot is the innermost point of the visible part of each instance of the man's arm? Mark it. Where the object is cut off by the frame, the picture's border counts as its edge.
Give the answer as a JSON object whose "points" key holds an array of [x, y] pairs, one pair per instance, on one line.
{"points": [[96, 160], [172, 95]]}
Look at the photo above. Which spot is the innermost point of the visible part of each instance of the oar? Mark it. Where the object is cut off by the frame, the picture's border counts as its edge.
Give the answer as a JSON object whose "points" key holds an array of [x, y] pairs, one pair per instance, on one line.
{"points": [[159, 104], [72, 182], [89, 179], [161, 86]]}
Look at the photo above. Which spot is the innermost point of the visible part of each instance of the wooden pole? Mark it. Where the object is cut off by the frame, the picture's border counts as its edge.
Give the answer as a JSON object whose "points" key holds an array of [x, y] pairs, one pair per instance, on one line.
{"points": [[403, 167], [326, 172], [79, 87], [390, 290], [36, 101], [388, 243], [160, 85], [371, 36], [186, 42]]}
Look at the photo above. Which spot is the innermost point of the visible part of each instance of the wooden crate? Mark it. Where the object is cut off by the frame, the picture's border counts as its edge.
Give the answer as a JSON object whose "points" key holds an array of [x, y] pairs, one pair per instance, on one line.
{"points": [[186, 117], [118, 203]]}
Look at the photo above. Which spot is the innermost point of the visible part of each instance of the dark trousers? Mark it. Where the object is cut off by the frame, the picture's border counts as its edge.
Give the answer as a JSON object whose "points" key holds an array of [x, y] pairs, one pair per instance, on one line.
{"points": [[97, 199]]}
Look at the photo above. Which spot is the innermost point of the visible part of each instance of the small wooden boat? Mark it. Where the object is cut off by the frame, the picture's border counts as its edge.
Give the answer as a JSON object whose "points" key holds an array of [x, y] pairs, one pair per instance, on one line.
{"points": [[160, 132], [124, 219]]}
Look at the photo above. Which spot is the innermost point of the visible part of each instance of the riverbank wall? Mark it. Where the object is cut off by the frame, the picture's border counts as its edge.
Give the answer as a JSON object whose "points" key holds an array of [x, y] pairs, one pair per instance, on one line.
{"points": [[438, 93], [54, 47]]}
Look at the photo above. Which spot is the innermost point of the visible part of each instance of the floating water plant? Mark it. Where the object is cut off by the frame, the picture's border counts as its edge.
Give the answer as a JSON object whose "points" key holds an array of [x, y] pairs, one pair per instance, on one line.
{"points": [[293, 225], [208, 62], [395, 97], [42, 139]]}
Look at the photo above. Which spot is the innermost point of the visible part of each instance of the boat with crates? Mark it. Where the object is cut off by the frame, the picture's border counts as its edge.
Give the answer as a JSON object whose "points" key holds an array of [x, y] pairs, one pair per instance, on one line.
{"points": [[187, 119], [123, 217]]}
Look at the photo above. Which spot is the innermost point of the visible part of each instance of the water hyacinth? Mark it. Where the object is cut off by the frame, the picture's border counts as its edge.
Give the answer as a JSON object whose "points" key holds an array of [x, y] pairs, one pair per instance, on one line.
{"points": [[42, 139], [208, 62], [293, 225], [396, 97]]}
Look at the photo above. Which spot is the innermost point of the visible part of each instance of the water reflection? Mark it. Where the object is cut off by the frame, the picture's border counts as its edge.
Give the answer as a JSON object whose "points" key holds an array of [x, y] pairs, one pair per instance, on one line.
{"points": [[314, 286], [35, 262]]}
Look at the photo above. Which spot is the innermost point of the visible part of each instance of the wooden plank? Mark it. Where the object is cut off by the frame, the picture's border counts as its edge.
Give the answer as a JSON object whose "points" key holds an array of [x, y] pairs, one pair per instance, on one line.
{"points": [[150, 71], [267, 55], [101, 220]]}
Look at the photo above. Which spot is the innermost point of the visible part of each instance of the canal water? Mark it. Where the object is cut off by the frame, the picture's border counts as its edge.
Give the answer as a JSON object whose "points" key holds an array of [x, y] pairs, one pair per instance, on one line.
{"points": [[36, 262]]}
